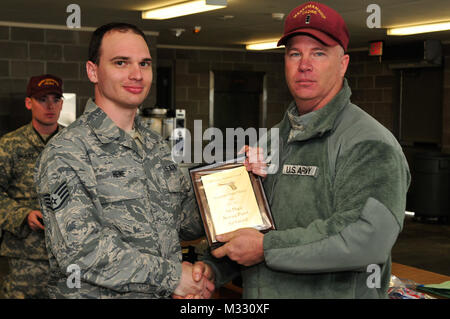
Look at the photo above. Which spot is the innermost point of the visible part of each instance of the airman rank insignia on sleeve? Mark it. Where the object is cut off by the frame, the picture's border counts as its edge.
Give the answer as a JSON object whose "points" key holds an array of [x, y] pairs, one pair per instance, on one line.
{"points": [[58, 198], [300, 170]]}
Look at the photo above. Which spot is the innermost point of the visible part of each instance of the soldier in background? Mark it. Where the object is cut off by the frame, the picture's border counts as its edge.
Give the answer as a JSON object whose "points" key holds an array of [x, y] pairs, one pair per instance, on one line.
{"points": [[20, 216], [114, 202]]}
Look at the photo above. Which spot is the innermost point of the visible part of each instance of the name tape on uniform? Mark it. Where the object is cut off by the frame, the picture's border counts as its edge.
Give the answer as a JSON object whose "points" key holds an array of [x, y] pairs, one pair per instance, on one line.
{"points": [[300, 170]]}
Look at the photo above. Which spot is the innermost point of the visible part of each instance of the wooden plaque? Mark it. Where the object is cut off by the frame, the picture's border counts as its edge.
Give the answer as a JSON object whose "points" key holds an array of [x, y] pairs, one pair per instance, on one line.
{"points": [[229, 198]]}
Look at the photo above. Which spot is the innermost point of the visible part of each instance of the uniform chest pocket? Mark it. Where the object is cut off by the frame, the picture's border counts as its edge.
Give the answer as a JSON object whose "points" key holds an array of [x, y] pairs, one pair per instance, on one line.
{"points": [[171, 177], [177, 184], [119, 189], [175, 188], [125, 207]]}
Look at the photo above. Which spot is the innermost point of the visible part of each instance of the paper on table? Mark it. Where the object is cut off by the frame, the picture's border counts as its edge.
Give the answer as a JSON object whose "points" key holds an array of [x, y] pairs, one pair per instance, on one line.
{"points": [[443, 285], [442, 289]]}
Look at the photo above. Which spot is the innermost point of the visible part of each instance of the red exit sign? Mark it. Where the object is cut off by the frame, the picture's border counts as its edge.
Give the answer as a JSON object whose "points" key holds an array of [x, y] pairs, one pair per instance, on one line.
{"points": [[376, 48]]}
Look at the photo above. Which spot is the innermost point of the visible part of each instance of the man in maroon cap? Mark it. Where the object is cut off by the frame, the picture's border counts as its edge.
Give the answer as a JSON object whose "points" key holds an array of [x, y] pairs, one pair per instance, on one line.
{"points": [[338, 196], [20, 217]]}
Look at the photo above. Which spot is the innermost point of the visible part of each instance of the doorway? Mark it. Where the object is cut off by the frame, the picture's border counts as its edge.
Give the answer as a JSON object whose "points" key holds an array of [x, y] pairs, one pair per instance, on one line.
{"points": [[237, 100]]}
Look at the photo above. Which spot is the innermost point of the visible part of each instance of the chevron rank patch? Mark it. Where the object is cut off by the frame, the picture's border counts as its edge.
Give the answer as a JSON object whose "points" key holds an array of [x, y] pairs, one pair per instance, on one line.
{"points": [[58, 198]]}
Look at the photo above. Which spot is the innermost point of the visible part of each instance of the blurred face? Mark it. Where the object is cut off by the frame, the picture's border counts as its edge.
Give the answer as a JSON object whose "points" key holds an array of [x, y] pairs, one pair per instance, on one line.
{"points": [[45, 110], [314, 72], [124, 74]]}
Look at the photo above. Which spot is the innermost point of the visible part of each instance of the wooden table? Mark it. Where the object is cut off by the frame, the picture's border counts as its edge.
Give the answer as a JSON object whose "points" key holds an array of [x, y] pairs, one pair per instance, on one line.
{"points": [[403, 272], [419, 276]]}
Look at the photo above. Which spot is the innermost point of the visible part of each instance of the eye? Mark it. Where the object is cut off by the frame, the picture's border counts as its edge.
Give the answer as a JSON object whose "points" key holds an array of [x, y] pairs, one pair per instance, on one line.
{"points": [[145, 64], [293, 54], [120, 63], [319, 53]]}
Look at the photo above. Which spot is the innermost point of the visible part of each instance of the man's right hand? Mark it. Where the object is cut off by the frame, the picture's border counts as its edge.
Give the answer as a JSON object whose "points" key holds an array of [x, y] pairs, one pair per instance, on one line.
{"points": [[254, 161], [33, 220], [200, 270], [196, 281]]}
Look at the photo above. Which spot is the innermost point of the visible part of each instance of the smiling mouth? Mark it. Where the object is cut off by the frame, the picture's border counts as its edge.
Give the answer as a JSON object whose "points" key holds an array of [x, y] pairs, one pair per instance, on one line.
{"points": [[134, 89]]}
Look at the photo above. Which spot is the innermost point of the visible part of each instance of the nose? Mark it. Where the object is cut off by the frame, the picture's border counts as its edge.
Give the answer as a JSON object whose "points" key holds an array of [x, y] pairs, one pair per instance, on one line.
{"points": [[50, 104], [304, 64], [135, 72]]}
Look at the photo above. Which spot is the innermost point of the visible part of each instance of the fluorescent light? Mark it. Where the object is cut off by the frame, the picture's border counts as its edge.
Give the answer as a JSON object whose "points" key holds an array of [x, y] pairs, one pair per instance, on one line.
{"points": [[262, 45], [183, 9], [409, 213], [423, 28]]}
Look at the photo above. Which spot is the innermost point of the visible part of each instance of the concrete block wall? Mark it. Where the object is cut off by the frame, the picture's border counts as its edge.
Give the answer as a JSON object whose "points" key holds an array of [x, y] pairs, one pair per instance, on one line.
{"points": [[446, 102], [191, 79], [372, 84], [370, 81], [375, 88], [26, 51]]}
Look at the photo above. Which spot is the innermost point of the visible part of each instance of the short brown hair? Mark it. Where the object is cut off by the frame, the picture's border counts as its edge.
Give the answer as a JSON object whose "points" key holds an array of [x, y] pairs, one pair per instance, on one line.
{"points": [[97, 37]]}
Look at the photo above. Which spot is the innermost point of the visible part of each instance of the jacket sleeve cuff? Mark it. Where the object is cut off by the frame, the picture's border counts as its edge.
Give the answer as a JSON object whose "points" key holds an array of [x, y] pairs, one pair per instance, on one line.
{"points": [[224, 269], [171, 274], [18, 224]]}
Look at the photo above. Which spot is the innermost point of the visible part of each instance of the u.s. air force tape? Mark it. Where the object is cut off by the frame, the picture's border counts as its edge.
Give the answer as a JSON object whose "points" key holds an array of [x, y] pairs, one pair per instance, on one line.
{"points": [[300, 170], [58, 198]]}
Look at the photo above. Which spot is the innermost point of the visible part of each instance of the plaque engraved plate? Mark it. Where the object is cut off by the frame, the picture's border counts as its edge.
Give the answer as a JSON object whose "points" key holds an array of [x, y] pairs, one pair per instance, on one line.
{"points": [[229, 198]]}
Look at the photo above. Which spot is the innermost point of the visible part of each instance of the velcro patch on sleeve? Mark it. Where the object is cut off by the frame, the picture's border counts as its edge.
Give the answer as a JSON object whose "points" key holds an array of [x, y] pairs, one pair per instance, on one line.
{"points": [[58, 198]]}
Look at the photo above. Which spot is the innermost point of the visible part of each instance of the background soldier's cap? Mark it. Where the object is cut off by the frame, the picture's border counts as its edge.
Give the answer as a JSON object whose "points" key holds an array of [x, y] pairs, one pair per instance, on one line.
{"points": [[318, 21], [41, 85]]}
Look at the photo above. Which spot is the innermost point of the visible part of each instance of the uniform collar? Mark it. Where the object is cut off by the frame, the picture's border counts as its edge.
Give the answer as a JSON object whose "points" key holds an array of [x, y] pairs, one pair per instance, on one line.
{"points": [[35, 138], [106, 130], [317, 123]]}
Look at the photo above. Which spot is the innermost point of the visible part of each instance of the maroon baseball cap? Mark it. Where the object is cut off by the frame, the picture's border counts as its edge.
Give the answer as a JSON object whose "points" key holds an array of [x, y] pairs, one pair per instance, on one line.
{"points": [[41, 85], [316, 20]]}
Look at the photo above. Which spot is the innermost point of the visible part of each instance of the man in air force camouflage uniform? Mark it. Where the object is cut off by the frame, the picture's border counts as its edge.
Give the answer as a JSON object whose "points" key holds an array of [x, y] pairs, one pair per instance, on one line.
{"points": [[114, 202], [20, 217]]}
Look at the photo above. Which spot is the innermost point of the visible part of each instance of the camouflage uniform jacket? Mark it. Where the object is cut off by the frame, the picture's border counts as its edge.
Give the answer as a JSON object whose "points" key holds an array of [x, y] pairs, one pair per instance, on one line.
{"points": [[19, 151], [114, 209]]}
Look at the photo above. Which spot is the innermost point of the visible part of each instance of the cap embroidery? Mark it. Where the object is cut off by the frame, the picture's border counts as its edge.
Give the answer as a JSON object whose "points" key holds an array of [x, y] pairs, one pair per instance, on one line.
{"points": [[310, 9], [49, 82], [307, 19]]}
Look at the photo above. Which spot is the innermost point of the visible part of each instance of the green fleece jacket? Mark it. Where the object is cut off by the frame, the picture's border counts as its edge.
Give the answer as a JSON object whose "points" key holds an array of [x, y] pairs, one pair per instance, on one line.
{"points": [[338, 201]]}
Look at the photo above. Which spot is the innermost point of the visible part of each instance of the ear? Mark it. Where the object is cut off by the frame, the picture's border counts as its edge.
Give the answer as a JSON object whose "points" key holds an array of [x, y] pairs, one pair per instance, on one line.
{"points": [[91, 70], [28, 104], [345, 59]]}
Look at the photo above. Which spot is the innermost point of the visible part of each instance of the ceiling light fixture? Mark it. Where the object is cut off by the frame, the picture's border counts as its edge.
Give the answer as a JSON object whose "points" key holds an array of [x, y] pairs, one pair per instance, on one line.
{"points": [[423, 28], [183, 9], [263, 45], [278, 16]]}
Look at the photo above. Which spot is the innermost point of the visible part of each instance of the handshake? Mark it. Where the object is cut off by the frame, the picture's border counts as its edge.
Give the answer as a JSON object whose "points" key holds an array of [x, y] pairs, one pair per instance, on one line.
{"points": [[244, 246], [197, 281]]}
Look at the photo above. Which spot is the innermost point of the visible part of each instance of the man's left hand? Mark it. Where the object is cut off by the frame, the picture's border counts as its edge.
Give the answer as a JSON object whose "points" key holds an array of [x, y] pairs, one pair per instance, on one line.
{"points": [[245, 246], [33, 220]]}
